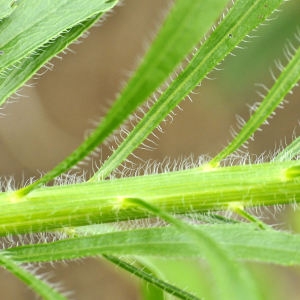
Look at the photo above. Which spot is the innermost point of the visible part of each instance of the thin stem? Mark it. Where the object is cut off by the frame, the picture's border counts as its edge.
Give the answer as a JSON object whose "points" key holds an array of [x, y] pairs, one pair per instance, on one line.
{"points": [[243, 213], [169, 288]]}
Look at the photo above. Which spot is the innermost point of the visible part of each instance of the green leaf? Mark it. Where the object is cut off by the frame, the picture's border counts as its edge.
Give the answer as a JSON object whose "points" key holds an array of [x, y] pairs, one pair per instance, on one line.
{"points": [[36, 31], [289, 152], [243, 241], [14, 78], [40, 287], [231, 280], [6, 8], [288, 78], [36, 23], [184, 27], [241, 19]]}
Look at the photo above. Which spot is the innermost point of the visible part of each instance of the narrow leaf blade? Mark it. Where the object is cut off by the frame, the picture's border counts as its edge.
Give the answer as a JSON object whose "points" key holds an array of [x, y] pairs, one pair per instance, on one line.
{"points": [[243, 241], [241, 19], [183, 28], [40, 287], [35, 23]]}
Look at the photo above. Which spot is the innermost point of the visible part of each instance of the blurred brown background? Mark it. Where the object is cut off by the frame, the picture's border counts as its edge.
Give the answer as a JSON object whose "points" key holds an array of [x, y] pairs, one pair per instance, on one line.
{"points": [[40, 129]]}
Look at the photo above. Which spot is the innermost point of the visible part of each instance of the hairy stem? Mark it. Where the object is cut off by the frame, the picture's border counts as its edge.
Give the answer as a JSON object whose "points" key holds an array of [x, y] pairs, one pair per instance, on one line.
{"points": [[178, 192]]}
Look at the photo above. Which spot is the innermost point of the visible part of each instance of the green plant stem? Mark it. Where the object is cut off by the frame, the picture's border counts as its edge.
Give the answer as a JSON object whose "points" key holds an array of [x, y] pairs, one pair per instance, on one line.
{"points": [[178, 192]]}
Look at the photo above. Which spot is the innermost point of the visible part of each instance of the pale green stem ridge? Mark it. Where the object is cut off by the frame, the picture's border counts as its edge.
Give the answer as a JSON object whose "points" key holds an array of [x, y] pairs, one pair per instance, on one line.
{"points": [[286, 81], [229, 33], [41, 288]]}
